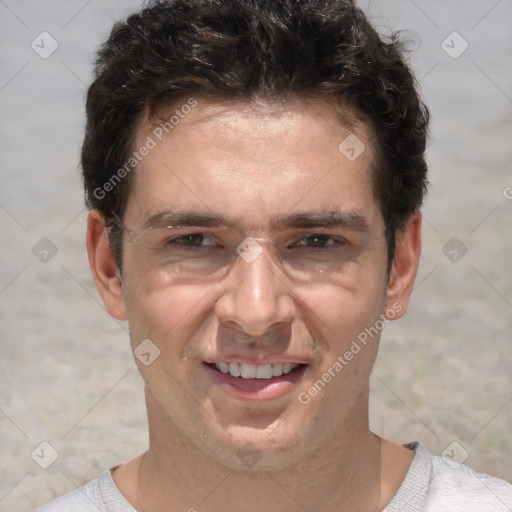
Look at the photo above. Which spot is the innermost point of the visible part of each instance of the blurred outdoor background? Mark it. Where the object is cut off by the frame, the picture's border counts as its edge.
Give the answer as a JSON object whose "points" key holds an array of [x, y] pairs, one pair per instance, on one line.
{"points": [[67, 376]]}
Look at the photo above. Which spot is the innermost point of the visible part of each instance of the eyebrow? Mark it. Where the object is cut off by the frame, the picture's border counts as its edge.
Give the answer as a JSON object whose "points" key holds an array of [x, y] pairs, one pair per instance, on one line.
{"points": [[184, 218], [328, 219], [353, 221]]}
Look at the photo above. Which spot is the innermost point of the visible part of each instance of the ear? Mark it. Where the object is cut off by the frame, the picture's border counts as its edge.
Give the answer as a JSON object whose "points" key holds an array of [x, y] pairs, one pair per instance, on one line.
{"points": [[404, 268], [103, 265]]}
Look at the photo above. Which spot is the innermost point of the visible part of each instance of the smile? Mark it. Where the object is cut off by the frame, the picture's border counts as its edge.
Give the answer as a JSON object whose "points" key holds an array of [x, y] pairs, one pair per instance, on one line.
{"points": [[248, 381], [253, 371]]}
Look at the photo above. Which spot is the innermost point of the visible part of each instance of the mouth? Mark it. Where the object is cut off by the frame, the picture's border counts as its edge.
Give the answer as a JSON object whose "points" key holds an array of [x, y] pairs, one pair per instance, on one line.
{"points": [[255, 382]]}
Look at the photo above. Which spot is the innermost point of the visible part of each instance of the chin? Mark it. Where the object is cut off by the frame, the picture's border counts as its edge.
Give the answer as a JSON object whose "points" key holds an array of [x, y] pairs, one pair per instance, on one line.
{"points": [[250, 449]]}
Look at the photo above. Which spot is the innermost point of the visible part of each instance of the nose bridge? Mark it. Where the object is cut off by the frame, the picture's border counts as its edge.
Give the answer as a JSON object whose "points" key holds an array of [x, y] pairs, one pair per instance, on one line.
{"points": [[255, 294], [257, 270]]}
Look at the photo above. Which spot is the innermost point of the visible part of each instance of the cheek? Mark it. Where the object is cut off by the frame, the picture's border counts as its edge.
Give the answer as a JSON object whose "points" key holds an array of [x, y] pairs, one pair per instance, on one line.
{"points": [[346, 325], [344, 308], [163, 312], [170, 317]]}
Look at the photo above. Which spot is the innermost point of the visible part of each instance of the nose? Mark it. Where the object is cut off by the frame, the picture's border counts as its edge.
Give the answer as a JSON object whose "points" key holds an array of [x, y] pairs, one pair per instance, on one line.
{"points": [[255, 297]]}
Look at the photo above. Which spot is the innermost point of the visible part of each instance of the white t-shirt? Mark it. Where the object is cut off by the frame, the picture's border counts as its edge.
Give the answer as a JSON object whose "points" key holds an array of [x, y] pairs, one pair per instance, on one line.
{"points": [[431, 485]]}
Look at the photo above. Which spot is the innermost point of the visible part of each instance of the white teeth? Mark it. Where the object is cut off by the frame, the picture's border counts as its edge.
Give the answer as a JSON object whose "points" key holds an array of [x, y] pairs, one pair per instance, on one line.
{"points": [[264, 371], [252, 371], [234, 369], [248, 371], [277, 369]]}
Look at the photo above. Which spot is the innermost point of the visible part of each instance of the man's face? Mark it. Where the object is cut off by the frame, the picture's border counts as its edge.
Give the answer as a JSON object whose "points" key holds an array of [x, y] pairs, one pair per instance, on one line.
{"points": [[308, 282]]}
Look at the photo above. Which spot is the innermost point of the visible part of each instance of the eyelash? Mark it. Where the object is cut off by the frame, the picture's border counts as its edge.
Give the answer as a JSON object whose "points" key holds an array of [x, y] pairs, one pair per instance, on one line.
{"points": [[338, 241], [181, 238]]}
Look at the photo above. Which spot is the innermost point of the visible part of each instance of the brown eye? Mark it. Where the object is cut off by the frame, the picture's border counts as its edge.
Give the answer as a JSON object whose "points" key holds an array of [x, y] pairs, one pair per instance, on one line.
{"points": [[192, 240], [318, 241]]}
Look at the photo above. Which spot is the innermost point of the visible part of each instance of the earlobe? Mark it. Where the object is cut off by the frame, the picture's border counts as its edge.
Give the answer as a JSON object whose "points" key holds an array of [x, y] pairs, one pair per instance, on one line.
{"points": [[103, 265], [405, 266]]}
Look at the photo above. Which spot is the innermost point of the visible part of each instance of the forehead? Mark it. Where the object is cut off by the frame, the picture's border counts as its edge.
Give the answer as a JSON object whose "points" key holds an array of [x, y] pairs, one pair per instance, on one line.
{"points": [[253, 161], [240, 125]]}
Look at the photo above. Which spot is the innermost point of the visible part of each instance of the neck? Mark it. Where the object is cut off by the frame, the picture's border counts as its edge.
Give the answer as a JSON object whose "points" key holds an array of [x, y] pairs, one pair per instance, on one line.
{"points": [[344, 475]]}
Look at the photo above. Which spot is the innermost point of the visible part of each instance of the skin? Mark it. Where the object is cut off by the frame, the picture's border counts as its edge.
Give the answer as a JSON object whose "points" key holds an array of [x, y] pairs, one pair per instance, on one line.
{"points": [[250, 163]]}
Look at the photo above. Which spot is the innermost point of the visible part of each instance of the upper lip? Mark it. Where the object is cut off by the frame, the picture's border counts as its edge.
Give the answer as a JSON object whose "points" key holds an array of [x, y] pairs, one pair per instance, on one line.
{"points": [[244, 359]]}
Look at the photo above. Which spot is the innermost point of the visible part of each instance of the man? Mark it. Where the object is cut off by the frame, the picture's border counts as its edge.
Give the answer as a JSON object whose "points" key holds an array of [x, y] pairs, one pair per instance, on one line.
{"points": [[254, 172]]}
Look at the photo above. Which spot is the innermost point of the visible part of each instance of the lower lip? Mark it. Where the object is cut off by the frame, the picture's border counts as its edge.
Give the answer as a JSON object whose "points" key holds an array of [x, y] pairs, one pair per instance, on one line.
{"points": [[256, 389]]}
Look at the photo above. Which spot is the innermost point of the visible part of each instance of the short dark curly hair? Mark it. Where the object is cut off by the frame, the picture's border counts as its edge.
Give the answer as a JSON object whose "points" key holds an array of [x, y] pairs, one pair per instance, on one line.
{"points": [[247, 50]]}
